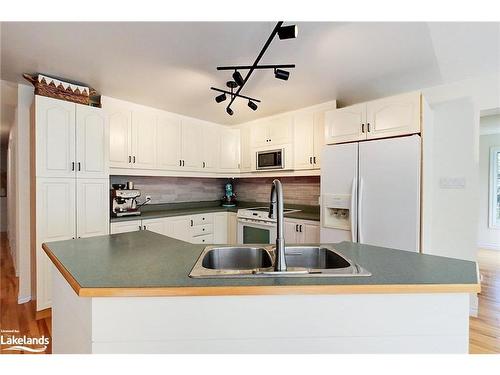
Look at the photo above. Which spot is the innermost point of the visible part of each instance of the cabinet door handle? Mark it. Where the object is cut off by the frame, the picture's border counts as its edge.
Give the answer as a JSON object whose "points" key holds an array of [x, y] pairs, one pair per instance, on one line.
{"points": [[134, 159], [191, 222], [310, 160], [140, 227], [180, 163], [300, 228], [362, 128], [203, 164], [79, 166], [72, 165], [314, 159], [130, 159], [183, 163], [296, 227], [368, 127]]}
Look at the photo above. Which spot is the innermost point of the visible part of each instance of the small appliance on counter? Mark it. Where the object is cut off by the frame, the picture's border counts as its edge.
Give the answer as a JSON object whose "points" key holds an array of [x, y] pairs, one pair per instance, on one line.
{"points": [[229, 199], [124, 200]]}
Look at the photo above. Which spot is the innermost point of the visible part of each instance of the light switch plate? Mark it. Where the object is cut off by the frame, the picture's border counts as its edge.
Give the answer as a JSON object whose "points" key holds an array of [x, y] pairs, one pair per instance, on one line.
{"points": [[452, 182]]}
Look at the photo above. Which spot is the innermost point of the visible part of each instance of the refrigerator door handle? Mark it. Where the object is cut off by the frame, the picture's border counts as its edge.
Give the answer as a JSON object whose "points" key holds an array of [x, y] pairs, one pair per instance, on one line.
{"points": [[360, 210], [353, 208]]}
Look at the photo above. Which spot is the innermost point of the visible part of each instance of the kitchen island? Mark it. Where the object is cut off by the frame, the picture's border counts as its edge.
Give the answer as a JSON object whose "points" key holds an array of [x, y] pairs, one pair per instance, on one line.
{"points": [[131, 293]]}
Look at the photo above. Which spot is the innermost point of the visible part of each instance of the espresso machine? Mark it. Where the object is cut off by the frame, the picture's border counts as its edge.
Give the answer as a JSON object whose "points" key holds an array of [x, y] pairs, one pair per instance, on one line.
{"points": [[124, 200]]}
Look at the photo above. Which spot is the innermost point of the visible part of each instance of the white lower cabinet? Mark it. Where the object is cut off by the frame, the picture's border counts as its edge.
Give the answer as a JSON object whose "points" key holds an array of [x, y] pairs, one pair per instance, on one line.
{"points": [[209, 228], [125, 226], [232, 228], [221, 227], [301, 231], [154, 225]]}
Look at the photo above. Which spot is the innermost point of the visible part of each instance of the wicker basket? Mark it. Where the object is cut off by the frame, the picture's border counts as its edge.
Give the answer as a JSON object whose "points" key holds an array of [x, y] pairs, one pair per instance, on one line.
{"points": [[55, 88]]}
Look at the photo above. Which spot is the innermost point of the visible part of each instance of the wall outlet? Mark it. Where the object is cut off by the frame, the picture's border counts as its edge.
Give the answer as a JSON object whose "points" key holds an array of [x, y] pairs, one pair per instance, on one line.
{"points": [[452, 182]]}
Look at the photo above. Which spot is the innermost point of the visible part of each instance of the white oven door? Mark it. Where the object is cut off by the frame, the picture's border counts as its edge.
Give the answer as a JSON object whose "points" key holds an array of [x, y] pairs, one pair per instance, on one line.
{"points": [[256, 232]]}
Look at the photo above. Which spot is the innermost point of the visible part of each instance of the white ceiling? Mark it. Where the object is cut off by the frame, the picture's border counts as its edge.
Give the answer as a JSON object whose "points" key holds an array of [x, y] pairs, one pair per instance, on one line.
{"points": [[172, 65]]}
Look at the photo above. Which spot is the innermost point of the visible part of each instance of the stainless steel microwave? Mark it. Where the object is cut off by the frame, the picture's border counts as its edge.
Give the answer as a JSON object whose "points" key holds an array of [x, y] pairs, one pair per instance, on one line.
{"points": [[270, 159]]}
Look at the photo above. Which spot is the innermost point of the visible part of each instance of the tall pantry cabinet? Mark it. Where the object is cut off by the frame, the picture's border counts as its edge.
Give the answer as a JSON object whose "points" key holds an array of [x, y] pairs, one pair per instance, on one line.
{"points": [[70, 157]]}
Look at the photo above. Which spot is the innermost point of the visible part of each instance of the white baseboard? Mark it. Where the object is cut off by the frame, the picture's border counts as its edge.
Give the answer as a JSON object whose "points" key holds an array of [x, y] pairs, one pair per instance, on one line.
{"points": [[489, 246], [21, 300]]}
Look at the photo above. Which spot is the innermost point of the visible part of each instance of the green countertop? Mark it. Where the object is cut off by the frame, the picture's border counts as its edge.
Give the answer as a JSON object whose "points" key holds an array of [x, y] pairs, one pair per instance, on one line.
{"points": [[155, 211], [145, 259]]}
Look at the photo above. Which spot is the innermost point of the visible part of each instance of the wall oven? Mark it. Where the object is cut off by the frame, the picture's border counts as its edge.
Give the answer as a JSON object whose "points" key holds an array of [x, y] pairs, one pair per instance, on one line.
{"points": [[270, 159]]}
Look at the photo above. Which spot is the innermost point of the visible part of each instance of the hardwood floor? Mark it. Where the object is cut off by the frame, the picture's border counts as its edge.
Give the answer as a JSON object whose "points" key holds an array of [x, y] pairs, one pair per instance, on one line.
{"points": [[15, 319], [484, 336], [484, 330]]}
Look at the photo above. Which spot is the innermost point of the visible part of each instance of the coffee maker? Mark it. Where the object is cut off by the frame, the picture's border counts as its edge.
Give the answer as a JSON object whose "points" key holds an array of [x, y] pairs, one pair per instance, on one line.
{"points": [[124, 200]]}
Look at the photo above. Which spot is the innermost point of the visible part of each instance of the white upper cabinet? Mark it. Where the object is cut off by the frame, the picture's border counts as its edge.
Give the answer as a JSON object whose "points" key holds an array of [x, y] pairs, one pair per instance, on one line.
{"points": [[92, 146], [55, 137], [210, 148], [397, 115], [318, 137], [92, 199], [309, 138], [388, 117], [229, 150], [304, 140], [144, 139], [169, 142], [120, 137], [246, 149], [345, 124], [272, 131], [191, 145]]}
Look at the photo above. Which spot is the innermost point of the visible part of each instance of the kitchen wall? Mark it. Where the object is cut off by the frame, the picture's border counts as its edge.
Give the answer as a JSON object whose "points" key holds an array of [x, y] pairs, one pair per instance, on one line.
{"points": [[176, 189], [296, 190], [487, 237]]}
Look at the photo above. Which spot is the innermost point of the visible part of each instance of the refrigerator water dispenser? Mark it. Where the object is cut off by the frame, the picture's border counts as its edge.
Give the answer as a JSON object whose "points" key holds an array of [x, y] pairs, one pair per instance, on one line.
{"points": [[336, 209]]}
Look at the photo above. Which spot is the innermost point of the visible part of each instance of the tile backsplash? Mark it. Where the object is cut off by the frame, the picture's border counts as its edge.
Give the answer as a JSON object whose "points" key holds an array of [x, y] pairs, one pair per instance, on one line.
{"points": [[176, 189], [296, 190]]}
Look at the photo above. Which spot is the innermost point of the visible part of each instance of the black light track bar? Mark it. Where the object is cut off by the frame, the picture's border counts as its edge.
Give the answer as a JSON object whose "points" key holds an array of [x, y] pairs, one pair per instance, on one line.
{"points": [[234, 94], [246, 67], [256, 62]]}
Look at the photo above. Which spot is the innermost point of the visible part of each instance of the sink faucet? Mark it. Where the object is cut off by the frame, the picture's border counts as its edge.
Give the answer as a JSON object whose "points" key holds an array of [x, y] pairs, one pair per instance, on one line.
{"points": [[276, 212]]}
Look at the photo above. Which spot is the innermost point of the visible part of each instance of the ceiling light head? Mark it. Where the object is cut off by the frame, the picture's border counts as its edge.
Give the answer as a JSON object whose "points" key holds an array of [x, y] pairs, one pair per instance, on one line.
{"points": [[238, 78], [220, 98], [231, 84], [252, 105], [288, 32], [229, 111], [281, 74]]}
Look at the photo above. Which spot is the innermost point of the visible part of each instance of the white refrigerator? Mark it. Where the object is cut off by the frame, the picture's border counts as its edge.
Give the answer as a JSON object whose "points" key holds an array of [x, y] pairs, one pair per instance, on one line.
{"points": [[370, 193]]}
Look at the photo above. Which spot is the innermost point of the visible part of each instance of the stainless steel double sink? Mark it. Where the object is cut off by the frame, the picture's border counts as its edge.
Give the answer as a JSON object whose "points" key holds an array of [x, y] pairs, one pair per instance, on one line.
{"points": [[256, 261]]}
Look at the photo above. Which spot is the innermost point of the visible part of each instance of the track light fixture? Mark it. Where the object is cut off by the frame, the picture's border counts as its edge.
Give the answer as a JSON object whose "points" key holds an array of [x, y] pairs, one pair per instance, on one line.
{"points": [[288, 32], [238, 78], [236, 85], [220, 98], [252, 105], [281, 74]]}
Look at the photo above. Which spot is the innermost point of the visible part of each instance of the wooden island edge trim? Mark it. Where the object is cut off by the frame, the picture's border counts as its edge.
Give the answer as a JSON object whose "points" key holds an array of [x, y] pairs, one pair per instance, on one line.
{"points": [[255, 290], [66, 274]]}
